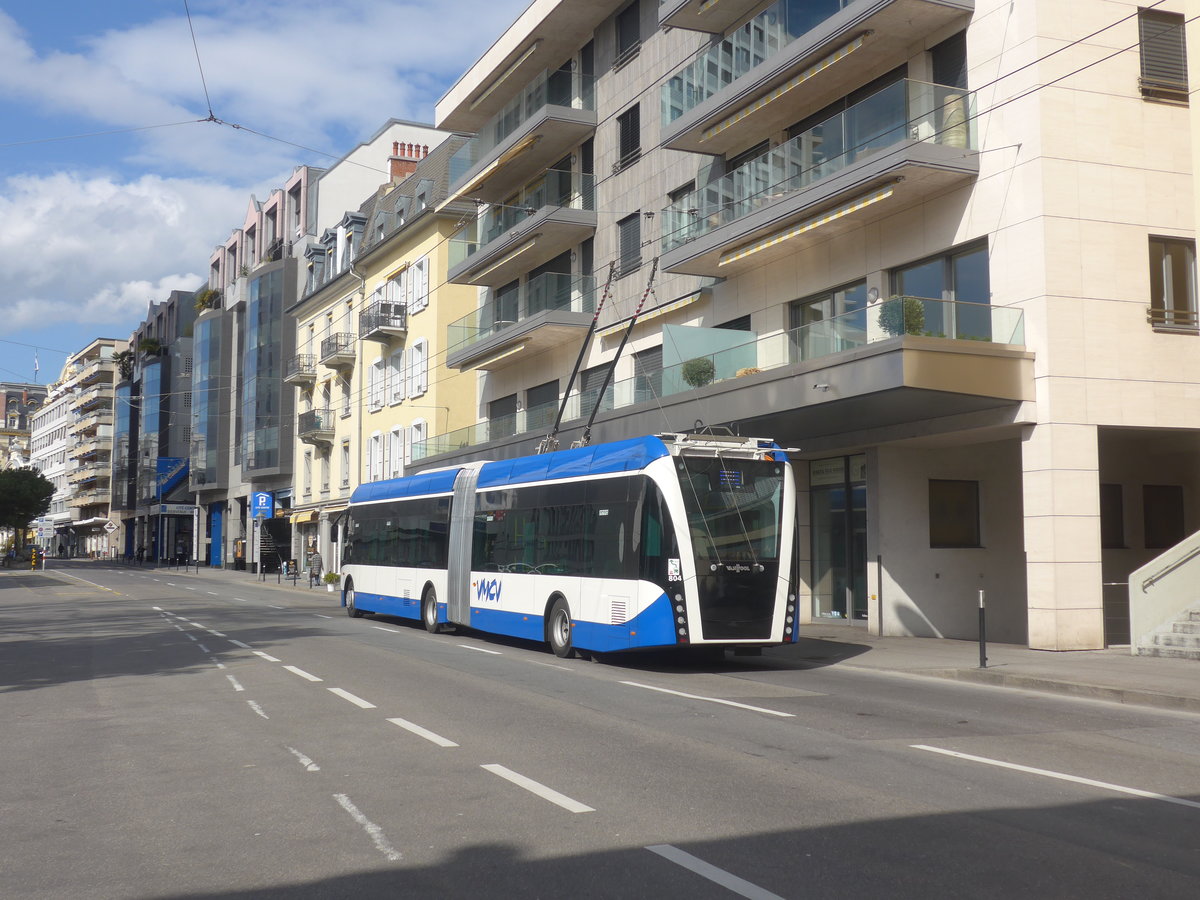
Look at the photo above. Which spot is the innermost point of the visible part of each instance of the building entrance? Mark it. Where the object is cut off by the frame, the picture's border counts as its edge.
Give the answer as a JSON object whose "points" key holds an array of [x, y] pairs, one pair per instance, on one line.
{"points": [[838, 519]]}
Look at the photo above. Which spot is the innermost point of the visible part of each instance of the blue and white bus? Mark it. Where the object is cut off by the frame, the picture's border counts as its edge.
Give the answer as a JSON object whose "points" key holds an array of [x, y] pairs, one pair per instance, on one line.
{"points": [[669, 541]]}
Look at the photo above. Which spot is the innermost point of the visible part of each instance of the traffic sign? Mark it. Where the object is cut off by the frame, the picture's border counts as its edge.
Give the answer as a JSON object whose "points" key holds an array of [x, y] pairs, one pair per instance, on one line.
{"points": [[262, 503], [111, 526]]}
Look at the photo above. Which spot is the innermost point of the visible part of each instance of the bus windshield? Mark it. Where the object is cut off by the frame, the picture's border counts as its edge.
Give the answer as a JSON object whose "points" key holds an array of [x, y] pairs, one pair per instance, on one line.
{"points": [[734, 507]]}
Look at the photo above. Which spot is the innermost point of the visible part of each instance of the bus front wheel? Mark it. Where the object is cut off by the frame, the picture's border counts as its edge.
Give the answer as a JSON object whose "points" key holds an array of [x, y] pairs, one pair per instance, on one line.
{"points": [[558, 629], [351, 610]]}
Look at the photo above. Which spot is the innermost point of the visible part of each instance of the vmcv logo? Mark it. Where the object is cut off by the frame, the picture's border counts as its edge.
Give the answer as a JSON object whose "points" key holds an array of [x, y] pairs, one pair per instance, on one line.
{"points": [[488, 590]]}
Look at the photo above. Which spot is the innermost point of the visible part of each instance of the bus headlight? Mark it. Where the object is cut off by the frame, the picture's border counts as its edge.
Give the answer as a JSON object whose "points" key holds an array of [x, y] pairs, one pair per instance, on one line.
{"points": [[790, 619], [788, 630]]}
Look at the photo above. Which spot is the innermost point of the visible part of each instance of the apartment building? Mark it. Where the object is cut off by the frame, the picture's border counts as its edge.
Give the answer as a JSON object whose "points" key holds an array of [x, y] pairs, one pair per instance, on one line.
{"points": [[151, 432], [21, 402], [371, 340], [50, 445], [943, 248]]}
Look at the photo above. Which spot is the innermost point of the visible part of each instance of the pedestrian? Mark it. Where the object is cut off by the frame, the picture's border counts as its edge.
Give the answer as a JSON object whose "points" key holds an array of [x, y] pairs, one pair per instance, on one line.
{"points": [[141, 553], [62, 552], [314, 567]]}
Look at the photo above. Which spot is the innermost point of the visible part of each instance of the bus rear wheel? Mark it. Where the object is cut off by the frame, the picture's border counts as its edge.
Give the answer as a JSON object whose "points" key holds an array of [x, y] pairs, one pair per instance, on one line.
{"points": [[429, 611], [558, 629], [351, 610]]}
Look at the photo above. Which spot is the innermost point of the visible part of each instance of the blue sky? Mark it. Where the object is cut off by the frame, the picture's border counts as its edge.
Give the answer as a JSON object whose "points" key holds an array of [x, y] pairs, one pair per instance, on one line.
{"points": [[94, 228]]}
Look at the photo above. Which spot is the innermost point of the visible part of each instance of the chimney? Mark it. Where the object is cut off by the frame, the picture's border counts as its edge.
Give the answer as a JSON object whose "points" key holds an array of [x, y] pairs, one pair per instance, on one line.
{"points": [[404, 159]]}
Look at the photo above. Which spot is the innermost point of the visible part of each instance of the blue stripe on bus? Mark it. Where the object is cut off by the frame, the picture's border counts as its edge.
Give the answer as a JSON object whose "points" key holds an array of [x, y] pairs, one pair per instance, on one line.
{"points": [[400, 607], [653, 627], [412, 486], [600, 459]]}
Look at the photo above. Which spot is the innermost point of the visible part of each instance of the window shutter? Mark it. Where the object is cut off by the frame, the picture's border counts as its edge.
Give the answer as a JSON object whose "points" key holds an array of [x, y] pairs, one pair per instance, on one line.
{"points": [[1164, 52]]}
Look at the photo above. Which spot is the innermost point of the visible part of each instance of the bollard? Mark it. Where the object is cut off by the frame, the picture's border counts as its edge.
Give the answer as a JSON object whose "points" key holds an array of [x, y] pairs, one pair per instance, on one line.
{"points": [[982, 633]]}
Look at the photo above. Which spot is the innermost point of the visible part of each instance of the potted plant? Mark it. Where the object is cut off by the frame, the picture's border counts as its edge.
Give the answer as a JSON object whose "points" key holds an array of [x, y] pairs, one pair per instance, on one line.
{"points": [[699, 371], [331, 579], [207, 298], [902, 315]]}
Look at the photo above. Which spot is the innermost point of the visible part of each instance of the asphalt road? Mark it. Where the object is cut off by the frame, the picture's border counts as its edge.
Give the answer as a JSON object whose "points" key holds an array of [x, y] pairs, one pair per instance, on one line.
{"points": [[167, 734]]}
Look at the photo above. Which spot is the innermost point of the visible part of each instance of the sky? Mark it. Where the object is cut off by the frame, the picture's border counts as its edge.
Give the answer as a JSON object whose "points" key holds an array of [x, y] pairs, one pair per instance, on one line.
{"points": [[114, 191]]}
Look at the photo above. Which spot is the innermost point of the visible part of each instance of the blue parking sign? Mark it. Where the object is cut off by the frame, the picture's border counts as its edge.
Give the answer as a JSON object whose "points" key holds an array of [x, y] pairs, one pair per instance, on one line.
{"points": [[262, 503]]}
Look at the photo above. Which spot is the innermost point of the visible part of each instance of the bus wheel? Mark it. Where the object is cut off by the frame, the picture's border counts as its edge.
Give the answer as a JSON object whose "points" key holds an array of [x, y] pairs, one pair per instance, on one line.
{"points": [[429, 611], [558, 629], [351, 610]]}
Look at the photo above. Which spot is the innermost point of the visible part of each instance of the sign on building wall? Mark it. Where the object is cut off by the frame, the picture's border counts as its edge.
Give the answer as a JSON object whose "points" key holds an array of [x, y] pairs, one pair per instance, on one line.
{"points": [[262, 503]]}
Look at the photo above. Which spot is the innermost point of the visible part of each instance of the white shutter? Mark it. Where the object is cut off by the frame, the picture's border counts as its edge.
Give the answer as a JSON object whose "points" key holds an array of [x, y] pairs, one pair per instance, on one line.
{"points": [[396, 391], [421, 365]]}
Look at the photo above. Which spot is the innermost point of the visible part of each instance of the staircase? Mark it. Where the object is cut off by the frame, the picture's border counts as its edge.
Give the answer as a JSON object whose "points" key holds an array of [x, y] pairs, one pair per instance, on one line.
{"points": [[1179, 639]]}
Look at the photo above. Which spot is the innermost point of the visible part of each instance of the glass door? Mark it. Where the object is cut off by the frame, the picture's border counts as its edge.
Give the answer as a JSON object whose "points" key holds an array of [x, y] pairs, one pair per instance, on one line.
{"points": [[838, 520]]}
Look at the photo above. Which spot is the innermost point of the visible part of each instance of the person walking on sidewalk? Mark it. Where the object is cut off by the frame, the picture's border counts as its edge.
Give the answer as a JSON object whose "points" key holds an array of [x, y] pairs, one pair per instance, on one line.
{"points": [[314, 567]]}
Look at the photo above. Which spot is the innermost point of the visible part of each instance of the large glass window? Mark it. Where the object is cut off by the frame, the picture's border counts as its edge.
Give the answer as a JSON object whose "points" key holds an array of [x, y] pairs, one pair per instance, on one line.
{"points": [[829, 322], [838, 525], [734, 508], [961, 281], [1173, 283]]}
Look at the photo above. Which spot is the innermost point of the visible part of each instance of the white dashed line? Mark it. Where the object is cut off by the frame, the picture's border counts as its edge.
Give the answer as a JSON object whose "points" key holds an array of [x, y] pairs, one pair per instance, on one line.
{"points": [[241, 599], [267, 656], [381, 628], [203, 649], [157, 608], [535, 787], [725, 879], [190, 637], [216, 662], [234, 682], [214, 633], [480, 650], [769, 712], [258, 709], [302, 673], [308, 764], [551, 665], [376, 833], [239, 644], [276, 607], [357, 701], [319, 616], [423, 732], [1061, 776], [212, 593]]}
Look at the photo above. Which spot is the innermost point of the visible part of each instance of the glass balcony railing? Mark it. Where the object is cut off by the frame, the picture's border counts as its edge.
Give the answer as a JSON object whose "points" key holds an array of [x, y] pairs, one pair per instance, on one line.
{"points": [[566, 190], [563, 87], [905, 110], [551, 290], [753, 44], [894, 317]]}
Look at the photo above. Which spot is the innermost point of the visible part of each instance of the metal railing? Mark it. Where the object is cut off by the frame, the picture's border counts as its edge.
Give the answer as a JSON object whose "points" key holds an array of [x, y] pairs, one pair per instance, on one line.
{"points": [[550, 290]]}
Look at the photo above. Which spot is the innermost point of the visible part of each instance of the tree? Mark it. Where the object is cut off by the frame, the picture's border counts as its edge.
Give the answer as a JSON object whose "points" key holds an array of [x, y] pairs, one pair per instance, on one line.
{"points": [[125, 360], [902, 315], [24, 495], [699, 371]]}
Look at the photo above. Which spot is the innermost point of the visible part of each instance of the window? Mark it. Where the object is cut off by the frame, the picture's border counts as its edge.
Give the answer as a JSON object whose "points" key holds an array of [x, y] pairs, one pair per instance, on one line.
{"points": [[629, 34], [418, 368], [395, 385], [307, 472], [953, 514], [1162, 515], [396, 452], [325, 473], [345, 396], [629, 139], [1172, 284], [420, 432], [647, 373], [375, 457], [741, 323], [1112, 517], [955, 291], [375, 384], [541, 406], [829, 322], [629, 244], [589, 390], [502, 417], [418, 285], [1164, 55], [345, 464]]}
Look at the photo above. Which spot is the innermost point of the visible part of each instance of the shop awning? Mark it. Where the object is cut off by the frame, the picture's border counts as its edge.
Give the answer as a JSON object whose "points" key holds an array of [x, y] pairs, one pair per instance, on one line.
{"points": [[300, 518]]}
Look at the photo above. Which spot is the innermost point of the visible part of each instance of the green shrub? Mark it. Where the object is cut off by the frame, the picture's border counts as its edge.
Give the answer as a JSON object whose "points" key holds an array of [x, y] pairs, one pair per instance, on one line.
{"points": [[699, 371], [902, 315]]}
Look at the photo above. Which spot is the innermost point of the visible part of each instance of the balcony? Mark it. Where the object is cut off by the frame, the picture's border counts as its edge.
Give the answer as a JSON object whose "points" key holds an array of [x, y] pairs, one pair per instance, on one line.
{"points": [[301, 370], [316, 426], [905, 143], [548, 217], [550, 117], [946, 357], [89, 446], [89, 399], [337, 351], [90, 422], [383, 321], [542, 313], [789, 60], [704, 15], [97, 371], [90, 473], [88, 498]]}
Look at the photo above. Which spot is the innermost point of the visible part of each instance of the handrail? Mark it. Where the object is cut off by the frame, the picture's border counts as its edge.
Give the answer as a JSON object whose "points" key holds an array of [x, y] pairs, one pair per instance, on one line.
{"points": [[1169, 568]]}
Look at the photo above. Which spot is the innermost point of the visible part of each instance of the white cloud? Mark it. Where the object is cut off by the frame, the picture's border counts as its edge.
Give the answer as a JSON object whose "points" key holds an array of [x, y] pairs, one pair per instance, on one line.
{"points": [[97, 249]]}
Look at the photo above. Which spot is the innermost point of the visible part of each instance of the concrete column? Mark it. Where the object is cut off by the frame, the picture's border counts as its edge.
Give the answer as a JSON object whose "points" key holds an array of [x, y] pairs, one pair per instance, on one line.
{"points": [[1061, 486]]}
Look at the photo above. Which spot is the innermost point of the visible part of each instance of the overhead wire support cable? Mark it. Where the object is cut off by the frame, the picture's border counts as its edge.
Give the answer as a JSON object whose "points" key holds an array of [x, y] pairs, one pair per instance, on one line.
{"points": [[550, 441]]}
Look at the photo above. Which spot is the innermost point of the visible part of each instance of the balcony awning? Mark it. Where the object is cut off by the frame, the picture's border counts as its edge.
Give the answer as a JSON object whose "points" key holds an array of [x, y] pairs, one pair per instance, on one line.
{"points": [[300, 518], [685, 300]]}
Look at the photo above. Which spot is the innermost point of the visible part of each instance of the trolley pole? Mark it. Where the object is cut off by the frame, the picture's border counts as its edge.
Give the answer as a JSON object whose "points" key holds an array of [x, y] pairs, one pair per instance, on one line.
{"points": [[982, 633]]}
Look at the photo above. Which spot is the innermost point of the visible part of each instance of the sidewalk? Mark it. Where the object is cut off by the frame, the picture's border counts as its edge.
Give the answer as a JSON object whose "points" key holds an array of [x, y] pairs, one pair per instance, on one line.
{"points": [[1112, 675]]}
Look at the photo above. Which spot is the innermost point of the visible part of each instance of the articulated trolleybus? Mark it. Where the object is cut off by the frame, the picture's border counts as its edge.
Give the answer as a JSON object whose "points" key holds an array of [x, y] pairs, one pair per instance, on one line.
{"points": [[669, 541]]}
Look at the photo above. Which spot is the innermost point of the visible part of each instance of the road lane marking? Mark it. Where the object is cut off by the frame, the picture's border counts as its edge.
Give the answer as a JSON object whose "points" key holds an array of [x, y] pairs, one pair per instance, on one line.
{"points": [[551, 665], [375, 832], [212, 593], [216, 662], [423, 732], [241, 599], [240, 644], [169, 583], [536, 787], [319, 616], [1061, 776], [190, 637], [769, 712], [92, 583], [302, 673], [276, 607], [234, 682], [308, 764], [157, 608], [481, 650], [267, 656], [203, 649], [258, 709], [381, 628], [357, 701], [214, 632], [725, 879]]}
